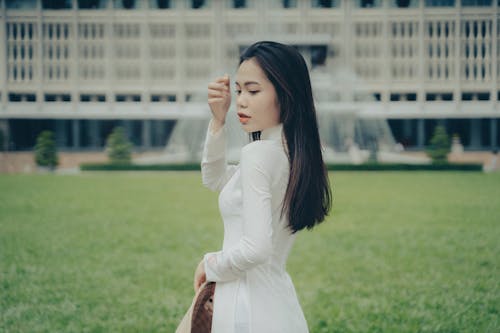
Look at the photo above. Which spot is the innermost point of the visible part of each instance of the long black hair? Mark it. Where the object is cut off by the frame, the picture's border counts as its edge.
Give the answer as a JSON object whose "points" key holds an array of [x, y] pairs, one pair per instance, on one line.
{"points": [[308, 196]]}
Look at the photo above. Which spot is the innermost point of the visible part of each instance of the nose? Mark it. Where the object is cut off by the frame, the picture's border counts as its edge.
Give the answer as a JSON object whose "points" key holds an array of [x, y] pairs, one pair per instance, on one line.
{"points": [[241, 101]]}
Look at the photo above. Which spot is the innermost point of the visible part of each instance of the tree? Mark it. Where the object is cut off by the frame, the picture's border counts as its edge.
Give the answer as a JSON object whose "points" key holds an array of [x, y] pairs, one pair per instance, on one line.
{"points": [[118, 147], [439, 146], [46, 150]]}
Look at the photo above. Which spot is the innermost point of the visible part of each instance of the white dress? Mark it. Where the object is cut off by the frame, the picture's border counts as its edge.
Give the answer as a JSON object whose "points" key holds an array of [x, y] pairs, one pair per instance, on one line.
{"points": [[254, 293]]}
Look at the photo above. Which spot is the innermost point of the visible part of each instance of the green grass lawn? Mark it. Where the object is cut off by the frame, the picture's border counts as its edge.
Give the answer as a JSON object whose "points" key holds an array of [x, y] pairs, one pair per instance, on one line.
{"points": [[115, 252]]}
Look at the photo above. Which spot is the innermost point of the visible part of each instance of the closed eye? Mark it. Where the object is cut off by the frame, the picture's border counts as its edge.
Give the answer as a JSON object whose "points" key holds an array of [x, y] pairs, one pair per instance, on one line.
{"points": [[253, 92]]}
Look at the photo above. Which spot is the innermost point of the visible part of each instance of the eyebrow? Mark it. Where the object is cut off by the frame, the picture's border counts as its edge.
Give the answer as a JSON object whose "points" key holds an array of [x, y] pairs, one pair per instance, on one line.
{"points": [[249, 83]]}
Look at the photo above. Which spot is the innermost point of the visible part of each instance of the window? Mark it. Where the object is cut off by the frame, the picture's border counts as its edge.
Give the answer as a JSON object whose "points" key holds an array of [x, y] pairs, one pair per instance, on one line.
{"points": [[369, 3], [324, 3], [471, 96], [13, 97], [160, 4], [476, 3], [57, 98], [93, 98], [164, 98], [124, 4], [128, 98], [289, 3], [197, 4], [405, 3], [239, 4], [21, 4], [56, 4], [318, 55], [439, 3], [403, 97], [91, 4]]}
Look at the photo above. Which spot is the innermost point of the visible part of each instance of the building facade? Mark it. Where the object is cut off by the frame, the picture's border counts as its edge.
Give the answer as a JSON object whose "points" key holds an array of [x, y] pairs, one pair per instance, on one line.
{"points": [[81, 67]]}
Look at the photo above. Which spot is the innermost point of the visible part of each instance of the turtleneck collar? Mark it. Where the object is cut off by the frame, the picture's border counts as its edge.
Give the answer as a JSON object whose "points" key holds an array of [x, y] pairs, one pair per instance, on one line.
{"points": [[272, 133]]}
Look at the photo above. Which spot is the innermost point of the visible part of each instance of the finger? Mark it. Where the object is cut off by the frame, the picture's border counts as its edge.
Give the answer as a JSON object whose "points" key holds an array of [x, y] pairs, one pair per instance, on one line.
{"points": [[216, 85], [215, 100], [215, 93], [224, 81], [222, 95], [221, 79]]}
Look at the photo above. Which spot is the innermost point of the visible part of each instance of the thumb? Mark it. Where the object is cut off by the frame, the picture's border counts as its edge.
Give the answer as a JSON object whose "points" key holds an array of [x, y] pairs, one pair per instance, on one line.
{"points": [[227, 79]]}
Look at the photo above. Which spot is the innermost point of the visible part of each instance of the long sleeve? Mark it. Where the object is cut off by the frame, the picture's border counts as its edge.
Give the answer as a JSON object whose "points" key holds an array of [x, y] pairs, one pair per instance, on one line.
{"points": [[255, 247], [215, 171]]}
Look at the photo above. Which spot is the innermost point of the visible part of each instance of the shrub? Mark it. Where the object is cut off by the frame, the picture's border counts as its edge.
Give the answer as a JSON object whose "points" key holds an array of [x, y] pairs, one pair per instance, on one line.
{"points": [[118, 147], [2, 140], [46, 150], [439, 146]]}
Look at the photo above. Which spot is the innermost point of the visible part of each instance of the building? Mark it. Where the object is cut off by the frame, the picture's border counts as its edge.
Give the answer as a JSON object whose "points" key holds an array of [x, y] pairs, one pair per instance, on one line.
{"points": [[80, 67]]}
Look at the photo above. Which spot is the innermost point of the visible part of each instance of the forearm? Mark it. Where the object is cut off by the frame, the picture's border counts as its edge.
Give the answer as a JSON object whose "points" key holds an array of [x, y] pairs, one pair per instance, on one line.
{"points": [[213, 163], [234, 263]]}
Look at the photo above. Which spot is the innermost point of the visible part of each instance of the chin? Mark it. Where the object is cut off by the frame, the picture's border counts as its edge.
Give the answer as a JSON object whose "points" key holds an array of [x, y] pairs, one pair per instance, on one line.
{"points": [[247, 128]]}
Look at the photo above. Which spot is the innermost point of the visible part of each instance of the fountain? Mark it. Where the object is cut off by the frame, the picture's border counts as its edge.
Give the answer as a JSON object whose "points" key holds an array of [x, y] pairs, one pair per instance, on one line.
{"points": [[345, 136]]}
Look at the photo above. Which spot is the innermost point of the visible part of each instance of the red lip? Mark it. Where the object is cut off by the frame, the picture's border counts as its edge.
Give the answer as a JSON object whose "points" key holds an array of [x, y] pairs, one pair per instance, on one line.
{"points": [[242, 115]]}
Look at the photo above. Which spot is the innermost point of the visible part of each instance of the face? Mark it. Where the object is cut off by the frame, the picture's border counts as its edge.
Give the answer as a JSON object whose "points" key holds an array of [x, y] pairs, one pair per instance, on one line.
{"points": [[256, 101]]}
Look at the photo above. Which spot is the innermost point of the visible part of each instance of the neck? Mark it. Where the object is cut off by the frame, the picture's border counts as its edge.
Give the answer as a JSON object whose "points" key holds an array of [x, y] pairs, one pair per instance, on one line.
{"points": [[272, 133]]}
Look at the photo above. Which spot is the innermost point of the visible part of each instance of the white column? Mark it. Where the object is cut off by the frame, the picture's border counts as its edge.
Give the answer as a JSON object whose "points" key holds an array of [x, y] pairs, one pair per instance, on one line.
{"points": [[261, 19], [157, 131], [108, 37], [76, 133], [457, 92], [145, 56], [3, 57], [128, 127], [146, 133], [219, 46], [386, 55], [74, 70], [4, 127], [421, 55], [94, 133], [39, 57], [60, 133], [493, 133], [494, 55], [179, 52], [475, 133], [347, 95], [420, 133]]}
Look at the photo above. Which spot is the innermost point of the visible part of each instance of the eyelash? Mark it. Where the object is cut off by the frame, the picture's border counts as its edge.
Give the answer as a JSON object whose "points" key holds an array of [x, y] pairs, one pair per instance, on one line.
{"points": [[252, 92]]}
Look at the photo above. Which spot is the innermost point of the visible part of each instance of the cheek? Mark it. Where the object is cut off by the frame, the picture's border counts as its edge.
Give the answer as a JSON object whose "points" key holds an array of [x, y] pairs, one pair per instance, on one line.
{"points": [[274, 109]]}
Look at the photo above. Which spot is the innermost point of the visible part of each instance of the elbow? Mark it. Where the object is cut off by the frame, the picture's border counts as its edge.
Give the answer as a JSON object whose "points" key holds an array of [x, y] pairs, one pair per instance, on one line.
{"points": [[208, 180], [257, 252], [209, 183], [261, 257]]}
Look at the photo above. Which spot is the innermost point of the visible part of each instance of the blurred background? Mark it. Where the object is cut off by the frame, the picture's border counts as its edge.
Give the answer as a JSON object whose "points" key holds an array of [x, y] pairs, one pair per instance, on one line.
{"points": [[394, 81], [385, 73]]}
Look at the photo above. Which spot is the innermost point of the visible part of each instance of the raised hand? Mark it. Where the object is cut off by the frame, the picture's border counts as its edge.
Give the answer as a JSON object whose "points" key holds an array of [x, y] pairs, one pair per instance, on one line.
{"points": [[219, 99]]}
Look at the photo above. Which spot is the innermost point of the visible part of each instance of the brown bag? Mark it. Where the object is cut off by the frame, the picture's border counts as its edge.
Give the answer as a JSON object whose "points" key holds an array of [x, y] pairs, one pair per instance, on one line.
{"points": [[198, 318]]}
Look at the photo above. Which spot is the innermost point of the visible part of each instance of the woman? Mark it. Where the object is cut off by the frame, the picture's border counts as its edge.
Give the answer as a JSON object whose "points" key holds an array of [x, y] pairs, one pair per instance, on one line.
{"points": [[280, 187]]}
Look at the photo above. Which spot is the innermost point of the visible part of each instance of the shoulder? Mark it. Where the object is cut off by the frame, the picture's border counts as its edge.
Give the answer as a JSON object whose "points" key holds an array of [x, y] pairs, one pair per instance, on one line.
{"points": [[259, 147], [265, 155], [262, 149]]}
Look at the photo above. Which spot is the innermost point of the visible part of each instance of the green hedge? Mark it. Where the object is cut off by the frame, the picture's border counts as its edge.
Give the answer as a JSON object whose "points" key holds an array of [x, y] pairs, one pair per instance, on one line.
{"points": [[137, 167], [332, 167], [406, 167]]}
